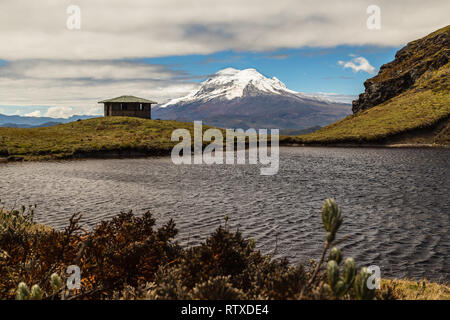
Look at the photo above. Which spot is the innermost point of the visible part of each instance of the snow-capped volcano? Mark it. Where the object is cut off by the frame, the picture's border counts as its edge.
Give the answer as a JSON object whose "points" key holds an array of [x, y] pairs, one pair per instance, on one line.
{"points": [[246, 98], [231, 83]]}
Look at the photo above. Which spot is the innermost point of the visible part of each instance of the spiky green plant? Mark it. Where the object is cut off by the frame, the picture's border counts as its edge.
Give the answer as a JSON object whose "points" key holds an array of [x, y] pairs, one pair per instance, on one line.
{"points": [[56, 282], [338, 286], [251, 243], [332, 273], [331, 218], [335, 254], [36, 293], [349, 271], [23, 293], [362, 291]]}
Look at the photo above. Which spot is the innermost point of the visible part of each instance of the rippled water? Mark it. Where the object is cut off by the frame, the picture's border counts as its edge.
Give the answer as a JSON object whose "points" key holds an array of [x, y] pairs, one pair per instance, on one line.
{"points": [[395, 201]]}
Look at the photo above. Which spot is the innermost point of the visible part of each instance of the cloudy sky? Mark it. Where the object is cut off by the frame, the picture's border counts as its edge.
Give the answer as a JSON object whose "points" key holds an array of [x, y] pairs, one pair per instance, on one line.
{"points": [[162, 49]]}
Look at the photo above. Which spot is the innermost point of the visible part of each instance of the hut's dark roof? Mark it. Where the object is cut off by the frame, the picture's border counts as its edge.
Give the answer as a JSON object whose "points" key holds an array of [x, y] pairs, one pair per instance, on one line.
{"points": [[127, 99]]}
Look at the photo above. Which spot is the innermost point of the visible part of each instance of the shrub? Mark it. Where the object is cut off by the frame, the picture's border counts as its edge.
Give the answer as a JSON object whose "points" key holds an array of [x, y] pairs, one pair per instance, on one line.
{"points": [[128, 258], [124, 250]]}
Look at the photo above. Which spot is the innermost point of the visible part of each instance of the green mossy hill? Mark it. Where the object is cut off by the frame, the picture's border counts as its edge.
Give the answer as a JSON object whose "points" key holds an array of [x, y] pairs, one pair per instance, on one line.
{"points": [[411, 63], [409, 95], [97, 136]]}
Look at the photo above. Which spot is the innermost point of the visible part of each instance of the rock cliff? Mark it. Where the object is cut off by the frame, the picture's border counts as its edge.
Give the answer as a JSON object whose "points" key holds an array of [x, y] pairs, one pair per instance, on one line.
{"points": [[410, 64]]}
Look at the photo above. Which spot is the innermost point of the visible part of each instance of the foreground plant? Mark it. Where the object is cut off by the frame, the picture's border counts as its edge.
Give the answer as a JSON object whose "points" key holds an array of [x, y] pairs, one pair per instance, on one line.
{"points": [[23, 293], [331, 220], [338, 285], [362, 291], [127, 258]]}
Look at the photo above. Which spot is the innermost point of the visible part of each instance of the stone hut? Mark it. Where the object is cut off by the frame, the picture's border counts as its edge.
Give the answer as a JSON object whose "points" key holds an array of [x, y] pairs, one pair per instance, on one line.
{"points": [[128, 106]]}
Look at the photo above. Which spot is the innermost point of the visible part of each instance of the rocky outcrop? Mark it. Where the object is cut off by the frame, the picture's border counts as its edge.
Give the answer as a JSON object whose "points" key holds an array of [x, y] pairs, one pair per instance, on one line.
{"points": [[410, 64]]}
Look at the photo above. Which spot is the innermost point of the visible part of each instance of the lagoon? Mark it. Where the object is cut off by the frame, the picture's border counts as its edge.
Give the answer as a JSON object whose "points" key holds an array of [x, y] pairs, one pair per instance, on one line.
{"points": [[395, 202]]}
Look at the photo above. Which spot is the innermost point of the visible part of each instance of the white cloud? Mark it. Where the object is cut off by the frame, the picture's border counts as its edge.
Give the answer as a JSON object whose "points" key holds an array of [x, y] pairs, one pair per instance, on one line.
{"points": [[68, 71], [36, 113], [358, 64], [142, 28], [59, 112], [336, 97], [86, 69], [75, 87]]}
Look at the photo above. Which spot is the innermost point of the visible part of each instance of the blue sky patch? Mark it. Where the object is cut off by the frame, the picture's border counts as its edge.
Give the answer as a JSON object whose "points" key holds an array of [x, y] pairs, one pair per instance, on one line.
{"points": [[305, 70]]}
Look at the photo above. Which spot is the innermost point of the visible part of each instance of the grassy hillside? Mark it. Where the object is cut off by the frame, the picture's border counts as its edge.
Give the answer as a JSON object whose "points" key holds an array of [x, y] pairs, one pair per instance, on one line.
{"points": [[421, 107], [409, 94], [92, 136]]}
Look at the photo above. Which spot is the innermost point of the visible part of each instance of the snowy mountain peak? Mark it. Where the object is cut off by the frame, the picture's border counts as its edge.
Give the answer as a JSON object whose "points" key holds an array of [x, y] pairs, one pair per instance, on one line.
{"points": [[233, 98], [227, 71], [230, 83]]}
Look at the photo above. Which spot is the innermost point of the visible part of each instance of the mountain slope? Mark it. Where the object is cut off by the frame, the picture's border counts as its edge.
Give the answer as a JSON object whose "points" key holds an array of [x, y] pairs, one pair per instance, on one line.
{"points": [[28, 122], [247, 99], [407, 102]]}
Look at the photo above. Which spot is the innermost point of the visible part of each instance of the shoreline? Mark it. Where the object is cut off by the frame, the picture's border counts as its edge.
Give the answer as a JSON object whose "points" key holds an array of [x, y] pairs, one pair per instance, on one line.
{"points": [[357, 145], [140, 153]]}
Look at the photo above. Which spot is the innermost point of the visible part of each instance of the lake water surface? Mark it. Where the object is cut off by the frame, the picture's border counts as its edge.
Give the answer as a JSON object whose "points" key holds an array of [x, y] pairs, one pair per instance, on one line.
{"points": [[395, 202]]}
